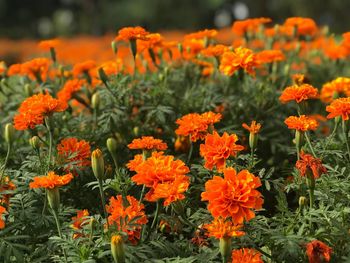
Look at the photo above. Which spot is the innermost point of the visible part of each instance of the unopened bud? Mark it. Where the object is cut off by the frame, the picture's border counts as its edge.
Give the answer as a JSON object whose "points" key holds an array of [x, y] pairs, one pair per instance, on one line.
{"points": [[28, 90], [136, 131], [302, 201], [299, 139], [225, 248], [53, 196], [114, 47], [117, 249], [95, 100], [98, 164], [9, 133], [112, 145], [253, 140], [35, 142]]}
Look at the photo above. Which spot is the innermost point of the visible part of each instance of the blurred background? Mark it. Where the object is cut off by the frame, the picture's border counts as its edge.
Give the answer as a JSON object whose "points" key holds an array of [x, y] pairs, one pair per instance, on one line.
{"points": [[50, 18]]}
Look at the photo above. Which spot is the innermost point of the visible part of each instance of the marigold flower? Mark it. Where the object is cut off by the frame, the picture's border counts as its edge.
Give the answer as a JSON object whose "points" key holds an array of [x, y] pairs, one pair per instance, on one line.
{"points": [[318, 252], [79, 222], [339, 107], [36, 69], [222, 228], [196, 125], [302, 123], [6, 185], [83, 68], [132, 33], [246, 255], [303, 26], [75, 153], [132, 164], [34, 109], [70, 87], [269, 56], [14, 69], [165, 176], [2, 221], [333, 89], [127, 216], [233, 196], [216, 150], [240, 58], [308, 162], [206, 33], [298, 93], [51, 180], [253, 128], [148, 143], [249, 25], [299, 79], [48, 44], [214, 51], [192, 47]]}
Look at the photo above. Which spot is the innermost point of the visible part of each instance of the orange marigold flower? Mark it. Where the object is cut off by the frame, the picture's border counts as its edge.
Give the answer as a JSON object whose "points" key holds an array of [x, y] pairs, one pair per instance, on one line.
{"points": [[33, 110], [6, 185], [69, 88], [222, 228], [83, 68], [127, 215], [298, 93], [36, 69], [253, 128], [269, 56], [249, 25], [148, 143], [299, 79], [333, 89], [210, 117], [240, 58], [303, 26], [233, 196], [318, 252], [302, 123], [14, 69], [132, 164], [246, 255], [308, 162], [51, 180], [192, 47], [216, 150], [206, 33], [165, 176], [80, 220], [48, 44], [132, 33], [75, 153], [339, 107], [214, 51], [2, 221]]}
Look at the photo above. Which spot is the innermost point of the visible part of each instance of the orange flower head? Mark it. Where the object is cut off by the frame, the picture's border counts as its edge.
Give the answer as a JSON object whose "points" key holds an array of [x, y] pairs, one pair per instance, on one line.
{"points": [[70, 87], [333, 89], [308, 162], [240, 58], [33, 110], [165, 176], [80, 220], [148, 143], [36, 68], [214, 51], [132, 33], [339, 107], [216, 150], [233, 196], [249, 25], [6, 185], [75, 153], [270, 56], [83, 68], [299, 79], [253, 128], [127, 215], [246, 255], [318, 252], [48, 44], [206, 33], [303, 26], [298, 93], [132, 164], [2, 221], [222, 228], [51, 180], [302, 123], [14, 69]]}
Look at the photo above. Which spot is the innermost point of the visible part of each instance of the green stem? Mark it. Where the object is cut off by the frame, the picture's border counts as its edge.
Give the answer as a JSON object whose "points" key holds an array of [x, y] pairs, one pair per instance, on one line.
{"points": [[155, 218], [142, 193], [59, 231], [330, 138], [45, 204], [190, 152], [103, 201], [309, 143], [50, 143], [346, 138], [6, 161]]}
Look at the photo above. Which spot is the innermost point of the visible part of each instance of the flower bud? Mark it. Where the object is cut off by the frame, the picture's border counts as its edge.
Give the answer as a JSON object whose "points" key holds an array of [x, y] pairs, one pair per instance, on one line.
{"points": [[95, 101], [53, 196], [299, 139], [310, 179], [225, 248], [136, 131], [28, 90], [114, 47], [35, 142], [302, 201], [9, 133], [180, 47], [253, 140], [112, 145], [117, 248], [98, 164]]}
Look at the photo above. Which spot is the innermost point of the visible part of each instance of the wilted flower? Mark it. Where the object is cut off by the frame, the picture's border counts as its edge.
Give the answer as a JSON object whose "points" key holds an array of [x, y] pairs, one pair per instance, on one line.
{"points": [[318, 252], [308, 162]]}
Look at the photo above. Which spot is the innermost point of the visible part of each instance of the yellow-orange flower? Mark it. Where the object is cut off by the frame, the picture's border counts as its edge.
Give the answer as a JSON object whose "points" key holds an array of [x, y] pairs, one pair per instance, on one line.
{"points": [[233, 196], [303, 26], [318, 252], [298, 93], [47, 44], [6, 185], [165, 176], [51, 180], [36, 69], [70, 87], [249, 25], [307, 161], [269, 56], [214, 51], [132, 33], [33, 110], [132, 164], [127, 215], [336, 87], [223, 228], [253, 128], [246, 255], [216, 150], [148, 143], [206, 33], [339, 107], [240, 58], [302, 123], [79, 221], [83, 68]]}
